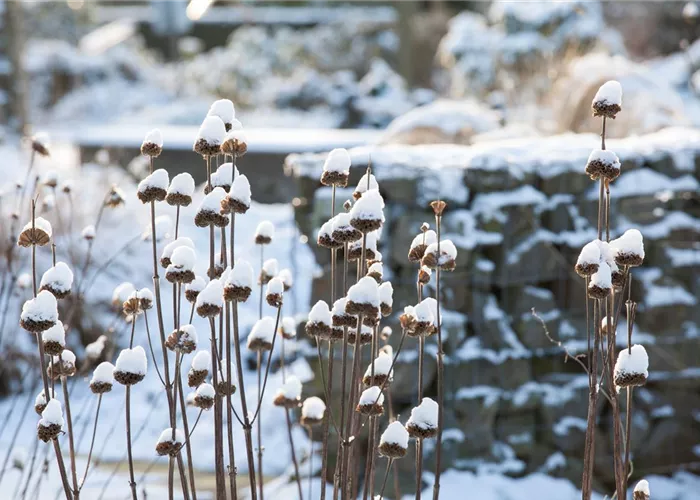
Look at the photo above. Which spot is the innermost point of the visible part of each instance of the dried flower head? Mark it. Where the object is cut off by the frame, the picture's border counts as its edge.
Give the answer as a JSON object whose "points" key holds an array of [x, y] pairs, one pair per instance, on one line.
{"points": [[438, 207], [235, 142], [114, 198], [312, 411], [180, 190], [608, 100], [102, 378], [289, 395], [210, 136], [35, 232], [154, 187], [204, 397], [336, 169], [394, 441], [320, 321], [182, 340], [169, 442], [40, 144], [152, 144]]}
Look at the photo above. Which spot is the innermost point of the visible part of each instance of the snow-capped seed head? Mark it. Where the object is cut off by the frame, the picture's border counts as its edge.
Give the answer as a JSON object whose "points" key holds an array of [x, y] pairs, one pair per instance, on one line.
{"points": [[51, 423], [132, 305], [88, 232], [152, 144], [275, 289], [41, 143], [48, 203], [342, 230], [629, 248], [236, 142], [420, 243], [223, 177], [180, 190], [424, 319], [603, 163], [223, 387], [36, 233], [115, 197], [371, 402], [102, 378], [239, 283], [289, 395], [210, 301], [367, 214], [121, 293], [632, 367], [50, 179], [182, 340], [641, 490], [40, 401], [371, 252], [447, 258], [600, 283], [363, 185], [270, 269], [200, 368], [287, 278], [192, 289], [264, 233], [154, 187], [588, 259], [386, 298], [424, 274], [170, 248], [423, 423], [54, 339], [608, 100], [376, 271], [58, 280], [62, 365], [145, 297], [210, 136], [288, 327], [183, 258], [336, 169], [131, 366], [319, 321], [239, 198], [24, 281], [381, 367], [209, 212], [394, 441], [224, 109], [363, 298], [262, 335], [204, 397], [39, 313], [169, 443], [312, 411], [325, 236]]}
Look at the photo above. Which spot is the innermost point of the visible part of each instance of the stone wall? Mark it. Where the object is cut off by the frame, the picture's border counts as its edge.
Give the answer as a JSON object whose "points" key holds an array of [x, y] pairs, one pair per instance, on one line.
{"points": [[519, 212]]}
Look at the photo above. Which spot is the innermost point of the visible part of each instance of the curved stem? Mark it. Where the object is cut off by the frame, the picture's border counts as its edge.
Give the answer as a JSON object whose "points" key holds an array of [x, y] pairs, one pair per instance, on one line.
{"points": [[132, 482], [92, 442]]}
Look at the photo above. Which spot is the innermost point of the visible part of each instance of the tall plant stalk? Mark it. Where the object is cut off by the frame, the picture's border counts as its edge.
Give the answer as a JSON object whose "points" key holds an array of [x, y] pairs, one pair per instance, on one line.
{"points": [[441, 367]]}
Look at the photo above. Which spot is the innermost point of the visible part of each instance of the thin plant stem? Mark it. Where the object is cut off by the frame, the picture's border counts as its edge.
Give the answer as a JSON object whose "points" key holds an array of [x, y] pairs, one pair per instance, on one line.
{"points": [[386, 474], [294, 455], [440, 373], [132, 482], [92, 442], [218, 420], [71, 438], [229, 416], [260, 450], [311, 460], [188, 447]]}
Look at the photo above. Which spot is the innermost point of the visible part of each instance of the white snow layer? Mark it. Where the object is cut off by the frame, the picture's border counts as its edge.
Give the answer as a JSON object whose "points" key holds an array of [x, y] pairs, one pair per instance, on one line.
{"points": [[41, 308], [320, 313], [630, 242], [198, 284], [395, 433], [643, 485], [241, 275], [182, 184], [271, 267], [371, 396], [158, 179], [287, 277], [240, 190], [603, 277], [338, 160], [154, 137], [52, 414], [425, 415], [289, 326], [427, 238], [424, 311], [263, 329], [382, 365], [590, 253], [212, 130], [39, 223], [201, 361], [605, 156], [313, 407], [291, 389], [224, 109], [183, 258], [275, 286], [265, 229], [212, 201], [635, 363], [206, 390], [103, 373], [167, 436], [369, 207], [386, 293], [59, 276], [182, 241], [55, 334], [362, 184], [88, 232], [610, 92], [224, 175], [365, 291], [212, 294], [132, 361]]}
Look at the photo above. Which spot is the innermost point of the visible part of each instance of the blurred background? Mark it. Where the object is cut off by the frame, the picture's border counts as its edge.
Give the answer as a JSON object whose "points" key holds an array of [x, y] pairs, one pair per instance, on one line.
{"points": [[485, 104]]}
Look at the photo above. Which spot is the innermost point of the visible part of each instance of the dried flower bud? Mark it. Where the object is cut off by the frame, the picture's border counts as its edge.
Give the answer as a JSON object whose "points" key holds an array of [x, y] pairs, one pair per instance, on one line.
{"points": [[438, 207], [114, 198]]}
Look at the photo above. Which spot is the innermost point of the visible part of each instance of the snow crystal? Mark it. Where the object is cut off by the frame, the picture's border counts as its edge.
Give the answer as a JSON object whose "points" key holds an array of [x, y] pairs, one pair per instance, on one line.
{"points": [[55, 334], [395, 433], [132, 361], [643, 487], [212, 294], [382, 365], [39, 223], [183, 258], [386, 293], [167, 436], [182, 184], [313, 408], [609, 93], [212, 201], [52, 414], [590, 253], [320, 313], [362, 184], [212, 130], [338, 160], [198, 284], [41, 308], [223, 108], [635, 363], [240, 189], [265, 229], [291, 389], [88, 232], [427, 238], [201, 361], [603, 277], [263, 329], [369, 207], [631, 242], [206, 391], [271, 267], [158, 179], [275, 286], [59, 277], [241, 275], [365, 291], [154, 137], [371, 396], [425, 415], [104, 373]]}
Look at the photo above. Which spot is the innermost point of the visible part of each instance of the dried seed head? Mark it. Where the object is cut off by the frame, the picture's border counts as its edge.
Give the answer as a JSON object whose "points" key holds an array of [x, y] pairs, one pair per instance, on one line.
{"points": [[641, 490], [347, 205], [424, 227], [40, 144], [438, 207], [114, 198], [37, 232]]}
